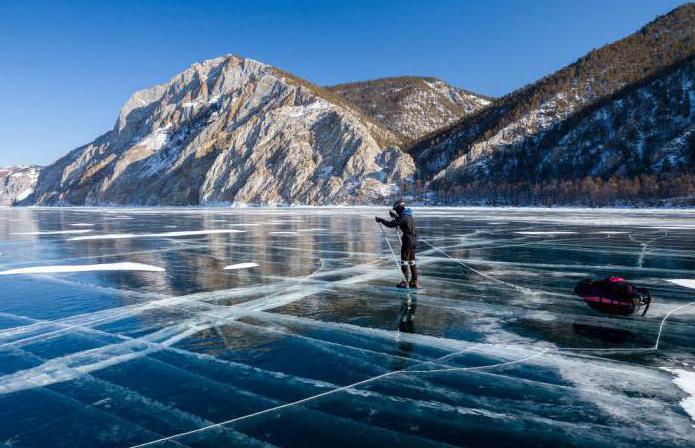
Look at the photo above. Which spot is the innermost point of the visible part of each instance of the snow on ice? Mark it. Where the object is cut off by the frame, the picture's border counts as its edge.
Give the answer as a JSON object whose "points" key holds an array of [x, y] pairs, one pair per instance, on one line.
{"points": [[125, 266]]}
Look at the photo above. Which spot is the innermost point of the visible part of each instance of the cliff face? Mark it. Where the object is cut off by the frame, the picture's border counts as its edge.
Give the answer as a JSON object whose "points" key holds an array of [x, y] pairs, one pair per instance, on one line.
{"points": [[231, 130], [17, 183]]}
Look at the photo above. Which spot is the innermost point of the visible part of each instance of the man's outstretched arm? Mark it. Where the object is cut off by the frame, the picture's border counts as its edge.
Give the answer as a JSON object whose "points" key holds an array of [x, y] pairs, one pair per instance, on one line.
{"points": [[392, 223]]}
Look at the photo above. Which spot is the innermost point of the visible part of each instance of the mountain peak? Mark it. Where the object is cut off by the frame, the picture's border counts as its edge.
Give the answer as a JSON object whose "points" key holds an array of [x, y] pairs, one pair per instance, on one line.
{"points": [[231, 130], [411, 106], [198, 75]]}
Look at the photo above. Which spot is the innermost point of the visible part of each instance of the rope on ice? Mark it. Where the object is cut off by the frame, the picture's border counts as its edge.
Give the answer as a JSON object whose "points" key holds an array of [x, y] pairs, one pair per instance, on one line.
{"points": [[489, 277], [393, 254]]}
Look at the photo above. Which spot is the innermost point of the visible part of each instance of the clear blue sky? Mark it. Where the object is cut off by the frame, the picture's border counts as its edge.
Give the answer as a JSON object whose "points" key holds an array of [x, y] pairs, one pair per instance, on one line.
{"points": [[68, 66]]}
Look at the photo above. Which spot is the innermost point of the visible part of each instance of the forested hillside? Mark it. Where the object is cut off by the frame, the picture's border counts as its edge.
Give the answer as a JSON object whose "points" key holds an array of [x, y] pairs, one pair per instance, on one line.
{"points": [[572, 124]]}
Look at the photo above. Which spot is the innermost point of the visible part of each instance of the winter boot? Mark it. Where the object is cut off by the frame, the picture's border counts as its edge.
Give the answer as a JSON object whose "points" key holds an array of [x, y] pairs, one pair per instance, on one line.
{"points": [[413, 276], [406, 276]]}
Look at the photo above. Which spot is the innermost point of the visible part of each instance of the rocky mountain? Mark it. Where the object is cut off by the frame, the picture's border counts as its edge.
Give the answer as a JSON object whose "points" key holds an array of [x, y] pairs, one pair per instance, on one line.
{"points": [[231, 130], [578, 121], [616, 126], [411, 107], [17, 183]]}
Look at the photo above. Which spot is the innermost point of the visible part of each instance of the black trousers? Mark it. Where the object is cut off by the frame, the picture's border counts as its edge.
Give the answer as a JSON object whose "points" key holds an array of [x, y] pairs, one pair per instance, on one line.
{"points": [[408, 246]]}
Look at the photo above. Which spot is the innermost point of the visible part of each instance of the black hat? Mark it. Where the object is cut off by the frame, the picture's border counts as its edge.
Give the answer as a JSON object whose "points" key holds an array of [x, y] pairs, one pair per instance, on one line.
{"points": [[399, 205]]}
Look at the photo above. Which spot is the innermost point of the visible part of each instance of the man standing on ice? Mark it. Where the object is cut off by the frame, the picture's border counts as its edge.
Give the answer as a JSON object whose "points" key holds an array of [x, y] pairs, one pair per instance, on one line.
{"points": [[403, 219]]}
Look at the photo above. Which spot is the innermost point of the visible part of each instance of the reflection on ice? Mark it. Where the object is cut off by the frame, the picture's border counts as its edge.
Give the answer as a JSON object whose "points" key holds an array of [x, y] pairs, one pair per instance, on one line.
{"points": [[121, 236], [54, 232]]}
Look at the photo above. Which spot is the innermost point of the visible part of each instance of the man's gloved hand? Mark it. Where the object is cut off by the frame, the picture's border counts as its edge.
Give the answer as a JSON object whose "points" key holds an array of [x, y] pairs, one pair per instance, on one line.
{"points": [[379, 220], [393, 214]]}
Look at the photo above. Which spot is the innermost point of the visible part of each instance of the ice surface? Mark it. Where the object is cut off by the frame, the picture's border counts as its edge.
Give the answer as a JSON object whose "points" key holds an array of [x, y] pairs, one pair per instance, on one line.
{"points": [[125, 266], [310, 344], [684, 282], [685, 379]]}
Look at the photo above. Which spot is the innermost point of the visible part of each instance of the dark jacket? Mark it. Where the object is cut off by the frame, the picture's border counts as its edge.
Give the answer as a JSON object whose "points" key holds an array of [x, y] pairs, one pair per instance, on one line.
{"points": [[406, 223]]}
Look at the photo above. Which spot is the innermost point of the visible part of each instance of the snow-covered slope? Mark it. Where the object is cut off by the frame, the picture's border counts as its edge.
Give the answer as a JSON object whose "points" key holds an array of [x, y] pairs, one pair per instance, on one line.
{"points": [[17, 183], [462, 153], [231, 130], [411, 107]]}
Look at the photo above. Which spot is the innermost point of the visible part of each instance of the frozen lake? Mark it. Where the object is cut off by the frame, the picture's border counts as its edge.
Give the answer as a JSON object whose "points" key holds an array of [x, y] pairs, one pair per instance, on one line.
{"points": [[120, 327]]}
